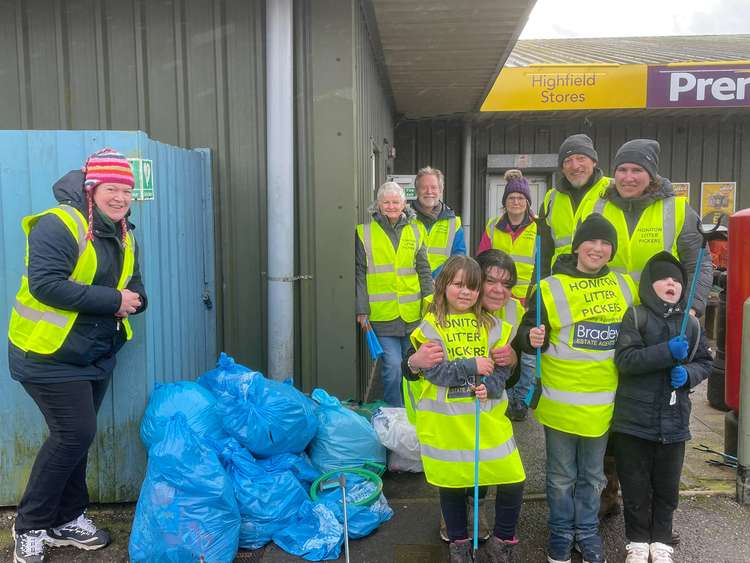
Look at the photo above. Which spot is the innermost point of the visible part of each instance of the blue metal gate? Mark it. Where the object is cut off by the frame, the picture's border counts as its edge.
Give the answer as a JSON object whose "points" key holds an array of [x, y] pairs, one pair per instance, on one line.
{"points": [[176, 337]]}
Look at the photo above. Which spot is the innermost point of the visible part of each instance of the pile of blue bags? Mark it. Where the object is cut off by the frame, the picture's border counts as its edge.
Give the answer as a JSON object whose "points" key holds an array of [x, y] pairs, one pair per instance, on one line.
{"points": [[232, 458]]}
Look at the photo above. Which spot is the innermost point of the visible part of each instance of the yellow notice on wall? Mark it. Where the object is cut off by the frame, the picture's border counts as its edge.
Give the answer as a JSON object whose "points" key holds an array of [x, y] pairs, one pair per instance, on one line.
{"points": [[716, 198], [553, 88]]}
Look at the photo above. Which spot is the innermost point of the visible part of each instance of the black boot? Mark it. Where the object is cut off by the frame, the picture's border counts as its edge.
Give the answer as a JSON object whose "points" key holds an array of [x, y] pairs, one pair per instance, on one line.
{"points": [[610, 502], [496, 550]]}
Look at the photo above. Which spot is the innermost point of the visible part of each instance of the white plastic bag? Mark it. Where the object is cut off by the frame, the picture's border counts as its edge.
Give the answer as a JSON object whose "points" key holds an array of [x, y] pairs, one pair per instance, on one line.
{"points": [[399, 437]]}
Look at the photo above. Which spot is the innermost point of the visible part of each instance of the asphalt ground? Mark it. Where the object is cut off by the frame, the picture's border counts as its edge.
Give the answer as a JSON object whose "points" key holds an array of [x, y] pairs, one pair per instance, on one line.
{"points": [[713, 528]]}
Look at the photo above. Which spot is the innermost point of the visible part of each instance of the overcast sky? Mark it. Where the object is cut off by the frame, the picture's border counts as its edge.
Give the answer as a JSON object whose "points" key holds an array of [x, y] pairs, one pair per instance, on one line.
{"points": [[631, 18]]}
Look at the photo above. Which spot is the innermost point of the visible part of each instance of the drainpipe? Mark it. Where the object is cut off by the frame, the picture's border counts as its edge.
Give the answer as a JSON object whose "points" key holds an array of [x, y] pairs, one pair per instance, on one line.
{"points": [[280, 170], [743, 426], [466, 186]]}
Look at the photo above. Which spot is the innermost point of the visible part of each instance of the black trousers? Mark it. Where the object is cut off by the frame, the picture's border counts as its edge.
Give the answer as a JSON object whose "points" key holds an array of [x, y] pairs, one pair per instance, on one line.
{"points": [[650, 480], [56, 492], [507, 510]]}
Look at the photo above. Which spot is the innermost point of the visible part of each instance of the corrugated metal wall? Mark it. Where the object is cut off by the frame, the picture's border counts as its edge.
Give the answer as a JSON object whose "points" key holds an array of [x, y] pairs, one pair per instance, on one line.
{"points": [[187, 72], [694, 148], [173, 340], [342, 114]]}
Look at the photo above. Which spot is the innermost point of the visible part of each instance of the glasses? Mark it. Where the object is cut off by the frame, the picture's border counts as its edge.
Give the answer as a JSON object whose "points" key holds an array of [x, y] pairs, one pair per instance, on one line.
{"points": [[515, 199]]}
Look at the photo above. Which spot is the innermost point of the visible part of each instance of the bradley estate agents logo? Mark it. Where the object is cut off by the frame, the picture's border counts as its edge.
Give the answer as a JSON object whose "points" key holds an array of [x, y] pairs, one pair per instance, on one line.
{"points": [[595, 336]]}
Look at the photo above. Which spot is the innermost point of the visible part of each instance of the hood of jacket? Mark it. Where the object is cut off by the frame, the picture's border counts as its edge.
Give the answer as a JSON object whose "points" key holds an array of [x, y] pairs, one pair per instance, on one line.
{"points": [[565, 187], [69, 190], [636, 205], [648, 295], [567, 264]]}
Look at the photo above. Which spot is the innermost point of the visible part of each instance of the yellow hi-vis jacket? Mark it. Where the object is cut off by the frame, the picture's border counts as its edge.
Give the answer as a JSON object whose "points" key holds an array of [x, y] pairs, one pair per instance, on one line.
{"points": [[579, 377], [657, 229], [439, 239], [445, 416], [561, 220], [392, 281], [36, 327], [522, 250]]}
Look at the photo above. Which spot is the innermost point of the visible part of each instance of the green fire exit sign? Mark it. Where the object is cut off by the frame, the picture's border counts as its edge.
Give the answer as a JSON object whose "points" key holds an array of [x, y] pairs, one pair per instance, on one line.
{"points": [[143, 170]]}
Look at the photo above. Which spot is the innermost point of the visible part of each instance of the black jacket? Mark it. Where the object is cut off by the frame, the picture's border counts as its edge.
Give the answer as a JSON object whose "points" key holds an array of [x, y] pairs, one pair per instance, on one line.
{"points": [[644, 363], [89, 350]]}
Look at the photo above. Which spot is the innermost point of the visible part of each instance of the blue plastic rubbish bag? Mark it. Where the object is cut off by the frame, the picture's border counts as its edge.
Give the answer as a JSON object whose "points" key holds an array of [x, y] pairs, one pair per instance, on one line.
{"points": [[228, 377], [361, 520], [269, 417], [186, 510], [268, 501], [315, 534], [298, 464], [187, 397], [344, 438]]}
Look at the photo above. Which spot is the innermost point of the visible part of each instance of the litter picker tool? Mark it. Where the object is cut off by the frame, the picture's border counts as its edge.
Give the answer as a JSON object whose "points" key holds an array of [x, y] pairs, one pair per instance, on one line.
{"points": [[532, 397], [711, 233], [477, 412]]}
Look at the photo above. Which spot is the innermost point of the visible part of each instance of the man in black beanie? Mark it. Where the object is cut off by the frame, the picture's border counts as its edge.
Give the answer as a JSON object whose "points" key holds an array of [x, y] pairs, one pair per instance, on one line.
{"points": [[578, 162], [581, 307]]}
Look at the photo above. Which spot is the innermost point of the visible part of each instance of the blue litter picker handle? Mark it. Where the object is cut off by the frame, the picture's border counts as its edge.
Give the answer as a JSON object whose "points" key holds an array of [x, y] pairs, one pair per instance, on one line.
{"points": [[532, 397], [477, 412]]}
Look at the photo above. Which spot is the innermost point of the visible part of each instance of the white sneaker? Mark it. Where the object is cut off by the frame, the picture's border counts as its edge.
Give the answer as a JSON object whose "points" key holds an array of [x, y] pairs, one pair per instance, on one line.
{"points": [[637, 552], [661, 553]]}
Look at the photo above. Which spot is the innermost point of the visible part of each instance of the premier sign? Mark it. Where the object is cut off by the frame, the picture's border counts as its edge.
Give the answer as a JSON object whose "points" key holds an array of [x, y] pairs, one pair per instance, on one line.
{"points": [[611, 86], [707, 85]]}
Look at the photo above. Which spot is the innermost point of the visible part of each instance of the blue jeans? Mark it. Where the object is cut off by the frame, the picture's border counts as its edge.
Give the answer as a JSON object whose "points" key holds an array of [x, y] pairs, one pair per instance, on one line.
{"points": [[575, 479], [394, 350], [528, 373]]}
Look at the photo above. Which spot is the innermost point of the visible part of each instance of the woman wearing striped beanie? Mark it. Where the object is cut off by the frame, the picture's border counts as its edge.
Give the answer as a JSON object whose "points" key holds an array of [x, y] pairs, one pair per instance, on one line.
{"points": [[69, 320]]}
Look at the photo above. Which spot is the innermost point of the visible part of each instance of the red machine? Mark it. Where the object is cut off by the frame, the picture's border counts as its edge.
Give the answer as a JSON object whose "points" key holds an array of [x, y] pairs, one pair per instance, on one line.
{"points": [[738, 290]]}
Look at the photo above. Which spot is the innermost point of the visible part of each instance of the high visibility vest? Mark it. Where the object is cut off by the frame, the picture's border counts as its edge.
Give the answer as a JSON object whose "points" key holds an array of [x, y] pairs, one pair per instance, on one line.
{"points": [[439, 239], [392, 280], [445, 416], [658, 228], [560, 218], [579, 377], [512, 313], [522, 250], [42, 329]]}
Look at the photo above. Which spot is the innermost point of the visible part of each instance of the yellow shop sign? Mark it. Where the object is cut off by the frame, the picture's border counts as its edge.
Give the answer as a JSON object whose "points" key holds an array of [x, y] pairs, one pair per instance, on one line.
{"points": [[553, 87]]}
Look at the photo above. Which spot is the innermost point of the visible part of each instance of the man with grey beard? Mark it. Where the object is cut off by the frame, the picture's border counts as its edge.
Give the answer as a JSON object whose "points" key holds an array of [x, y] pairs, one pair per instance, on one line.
{"points": [[581, 178]]}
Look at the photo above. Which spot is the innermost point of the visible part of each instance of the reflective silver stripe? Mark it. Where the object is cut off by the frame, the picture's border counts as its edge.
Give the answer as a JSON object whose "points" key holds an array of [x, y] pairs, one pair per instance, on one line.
{"points": [[599, 206], [367, 243], [378, 297], [36, 316], [561, 301], [411, 298], [636, 276], [406, 271], [80, 224], [431, 333], [411, 396], [619, 269], [496, 333], [415, 228], [523, 259], [451, 235], [599, 398], [563, 241], [488, 454], [510, 312], [562, 351], [438, 250], [625, 288], [668, 226], [461, 408]]}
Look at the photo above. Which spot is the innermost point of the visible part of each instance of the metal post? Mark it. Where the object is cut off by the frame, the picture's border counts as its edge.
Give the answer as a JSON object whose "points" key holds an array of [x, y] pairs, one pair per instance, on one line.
{"points": [[743, 426], [280, 165], [466, 184]]}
